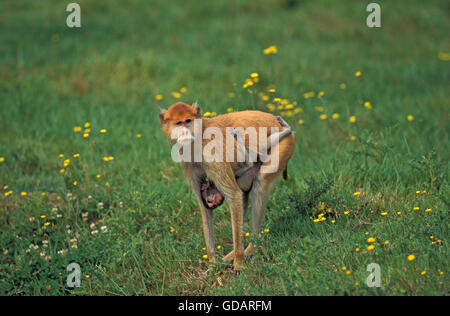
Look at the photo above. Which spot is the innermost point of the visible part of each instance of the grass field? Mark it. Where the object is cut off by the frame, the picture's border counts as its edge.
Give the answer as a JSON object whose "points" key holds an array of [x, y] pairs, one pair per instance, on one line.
{"points": [[86, 174]]}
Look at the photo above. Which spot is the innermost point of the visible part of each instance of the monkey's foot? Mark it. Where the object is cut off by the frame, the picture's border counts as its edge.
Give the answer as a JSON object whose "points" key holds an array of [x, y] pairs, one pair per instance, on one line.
{"points": [[229, 256], [247, 253], [282, 122]]}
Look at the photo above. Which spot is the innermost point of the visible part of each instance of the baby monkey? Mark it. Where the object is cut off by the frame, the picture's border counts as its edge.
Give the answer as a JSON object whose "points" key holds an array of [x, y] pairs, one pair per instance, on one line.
{"points": [[212, 198]]}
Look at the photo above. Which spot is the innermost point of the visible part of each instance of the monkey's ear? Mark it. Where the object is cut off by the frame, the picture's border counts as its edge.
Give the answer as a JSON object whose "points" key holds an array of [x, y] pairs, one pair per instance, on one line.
{"points": [[197, 109], [161, 117]]}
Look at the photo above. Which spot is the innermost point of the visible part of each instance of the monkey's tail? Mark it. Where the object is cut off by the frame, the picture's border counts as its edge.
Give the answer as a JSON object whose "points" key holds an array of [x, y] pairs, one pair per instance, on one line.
{"points": [[285, 174]]}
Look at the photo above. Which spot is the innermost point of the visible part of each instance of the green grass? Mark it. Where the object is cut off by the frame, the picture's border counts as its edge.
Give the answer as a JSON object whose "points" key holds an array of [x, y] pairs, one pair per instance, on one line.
{"points": [[108, 73]]}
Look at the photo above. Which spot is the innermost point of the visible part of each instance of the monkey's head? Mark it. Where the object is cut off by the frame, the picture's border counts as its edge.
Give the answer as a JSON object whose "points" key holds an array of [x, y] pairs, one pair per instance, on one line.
{"points": [[177, 122]]}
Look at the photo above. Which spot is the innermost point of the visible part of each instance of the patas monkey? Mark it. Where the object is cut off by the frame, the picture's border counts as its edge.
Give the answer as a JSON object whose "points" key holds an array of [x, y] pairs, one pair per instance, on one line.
{"points": [[177, 123]]}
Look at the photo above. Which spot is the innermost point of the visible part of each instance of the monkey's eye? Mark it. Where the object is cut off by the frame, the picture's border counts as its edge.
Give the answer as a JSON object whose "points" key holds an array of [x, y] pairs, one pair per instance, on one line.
{"points": [[187, 121], [179, 123]]}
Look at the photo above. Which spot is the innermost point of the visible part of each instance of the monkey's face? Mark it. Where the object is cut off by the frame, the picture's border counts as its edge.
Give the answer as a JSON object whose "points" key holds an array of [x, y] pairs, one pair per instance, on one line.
{"points": [[177, 122]]}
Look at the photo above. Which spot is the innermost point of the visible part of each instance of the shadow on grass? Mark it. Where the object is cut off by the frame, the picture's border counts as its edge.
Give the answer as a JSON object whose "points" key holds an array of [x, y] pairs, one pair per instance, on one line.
{"points": [[299, 205]]}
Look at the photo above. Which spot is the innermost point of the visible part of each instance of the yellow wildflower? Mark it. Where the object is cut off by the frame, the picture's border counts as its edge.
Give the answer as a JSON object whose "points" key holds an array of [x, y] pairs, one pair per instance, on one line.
{"points": [[271, 50], [289, 106], [352, 119], [176, 95], [444, 56], [411, 257], [159, 97], [308, 95]]}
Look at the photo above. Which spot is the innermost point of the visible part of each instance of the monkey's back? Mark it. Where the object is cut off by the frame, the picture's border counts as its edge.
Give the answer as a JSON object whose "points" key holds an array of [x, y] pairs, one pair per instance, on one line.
{"points": [[246, 119], [255, 119]]}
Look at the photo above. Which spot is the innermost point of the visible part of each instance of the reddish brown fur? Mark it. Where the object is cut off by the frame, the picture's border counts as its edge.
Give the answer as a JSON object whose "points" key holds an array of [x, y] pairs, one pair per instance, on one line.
{"points": [[222, 173]]}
